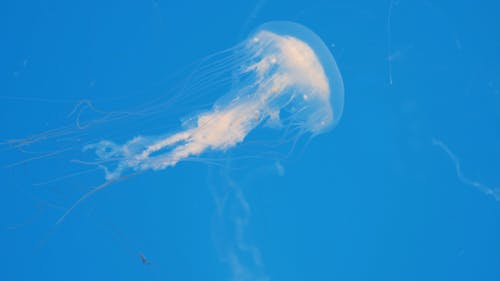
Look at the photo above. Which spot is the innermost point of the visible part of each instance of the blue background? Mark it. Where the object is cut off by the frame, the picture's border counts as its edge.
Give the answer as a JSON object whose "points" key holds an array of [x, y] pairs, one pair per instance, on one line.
{"points": [[374, 199]]}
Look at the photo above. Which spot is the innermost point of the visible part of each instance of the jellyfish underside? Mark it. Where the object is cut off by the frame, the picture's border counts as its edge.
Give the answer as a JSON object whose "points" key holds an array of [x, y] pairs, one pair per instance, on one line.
{"points": [[285, 78]]}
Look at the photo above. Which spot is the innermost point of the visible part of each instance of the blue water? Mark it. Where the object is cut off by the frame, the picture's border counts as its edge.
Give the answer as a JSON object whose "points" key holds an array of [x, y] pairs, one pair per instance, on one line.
{"points": [[404, 188]]}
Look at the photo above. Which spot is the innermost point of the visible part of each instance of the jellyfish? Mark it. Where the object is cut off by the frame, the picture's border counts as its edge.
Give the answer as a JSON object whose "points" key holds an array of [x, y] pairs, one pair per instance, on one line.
{"points": [[281, 78], [285, 78]]}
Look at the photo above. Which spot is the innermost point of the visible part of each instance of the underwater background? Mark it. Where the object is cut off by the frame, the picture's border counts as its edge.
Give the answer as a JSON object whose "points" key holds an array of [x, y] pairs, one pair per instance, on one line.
{"points": [[403, 188]]}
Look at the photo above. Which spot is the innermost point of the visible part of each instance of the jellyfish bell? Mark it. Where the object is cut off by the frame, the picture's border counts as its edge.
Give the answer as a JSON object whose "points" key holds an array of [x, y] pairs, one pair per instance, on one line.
{"points": [[307, 70]]}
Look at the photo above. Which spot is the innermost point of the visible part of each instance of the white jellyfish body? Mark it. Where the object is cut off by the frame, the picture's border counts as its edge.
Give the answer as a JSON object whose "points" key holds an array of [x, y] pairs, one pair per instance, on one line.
{"points": [[286, 78]]}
